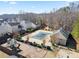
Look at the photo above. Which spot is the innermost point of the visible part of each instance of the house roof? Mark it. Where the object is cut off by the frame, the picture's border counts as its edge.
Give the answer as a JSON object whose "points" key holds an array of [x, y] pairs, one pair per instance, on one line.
{"points": [[61, 32], [13, 24]]}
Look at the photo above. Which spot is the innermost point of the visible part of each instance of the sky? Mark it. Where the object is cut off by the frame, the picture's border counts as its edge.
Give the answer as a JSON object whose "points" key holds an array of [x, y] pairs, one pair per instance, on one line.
{"points": [[14, 7]]}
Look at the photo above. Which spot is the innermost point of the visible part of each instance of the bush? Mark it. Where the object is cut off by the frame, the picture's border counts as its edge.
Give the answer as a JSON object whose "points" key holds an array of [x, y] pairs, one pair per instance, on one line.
{"points": [[49, 48], [35, 44], [29, 29], [18, 38], [22, 32], [75, 31], [39, 46], [30, 43]]}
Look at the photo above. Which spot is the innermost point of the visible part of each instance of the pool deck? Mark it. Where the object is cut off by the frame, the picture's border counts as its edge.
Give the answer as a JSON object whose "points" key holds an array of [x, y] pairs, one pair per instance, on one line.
{"points": [[38, 41], [35, 52]]}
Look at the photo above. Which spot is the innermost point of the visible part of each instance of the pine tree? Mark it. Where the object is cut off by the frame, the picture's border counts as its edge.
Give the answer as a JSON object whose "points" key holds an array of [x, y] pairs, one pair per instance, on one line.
{"points": [[75, 31]]}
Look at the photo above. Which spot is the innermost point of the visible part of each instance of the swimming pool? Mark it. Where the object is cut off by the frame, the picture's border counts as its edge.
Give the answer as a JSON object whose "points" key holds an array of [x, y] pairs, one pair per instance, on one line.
{"points": [[41, 34]]}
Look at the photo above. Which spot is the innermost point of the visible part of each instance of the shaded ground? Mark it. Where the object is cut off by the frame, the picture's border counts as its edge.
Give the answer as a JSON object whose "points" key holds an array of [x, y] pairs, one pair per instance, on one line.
{"points": [[71, 42]]}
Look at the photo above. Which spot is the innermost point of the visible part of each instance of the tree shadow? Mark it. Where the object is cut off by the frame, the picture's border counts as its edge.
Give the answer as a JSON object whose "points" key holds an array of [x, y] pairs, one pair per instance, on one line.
{"points": [[71, 42]]}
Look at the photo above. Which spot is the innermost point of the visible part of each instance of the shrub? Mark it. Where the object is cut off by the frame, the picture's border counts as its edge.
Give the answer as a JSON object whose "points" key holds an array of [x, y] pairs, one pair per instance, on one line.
{"points": [[29, 29], [49, 48], [75, 31], [39, 46]]}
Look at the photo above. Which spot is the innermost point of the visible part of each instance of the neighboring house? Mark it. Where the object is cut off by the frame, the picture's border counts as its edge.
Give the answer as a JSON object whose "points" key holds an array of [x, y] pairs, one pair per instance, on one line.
{"points": [[27, 24], [60, 37], [14, 27], [1, 21], [12, 20], [5, 28], [8, 27]]}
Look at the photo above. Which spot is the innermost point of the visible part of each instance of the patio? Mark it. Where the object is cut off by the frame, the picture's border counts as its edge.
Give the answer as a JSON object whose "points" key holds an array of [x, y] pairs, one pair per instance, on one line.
{"points": [[29, 51], [35, 52]]}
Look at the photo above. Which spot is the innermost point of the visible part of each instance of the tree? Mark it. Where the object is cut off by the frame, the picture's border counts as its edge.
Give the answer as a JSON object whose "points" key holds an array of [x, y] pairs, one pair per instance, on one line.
{"points": [[75, 31], [53, 38]]}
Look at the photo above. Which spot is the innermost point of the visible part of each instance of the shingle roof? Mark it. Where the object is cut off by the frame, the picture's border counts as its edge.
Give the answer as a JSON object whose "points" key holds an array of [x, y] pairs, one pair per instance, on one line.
{"points": [[66, 34], [62, 32], [13, 24]]}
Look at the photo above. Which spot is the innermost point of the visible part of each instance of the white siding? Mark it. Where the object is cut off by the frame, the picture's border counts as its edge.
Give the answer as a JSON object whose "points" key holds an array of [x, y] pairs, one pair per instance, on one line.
{"points": [[26, 25], [5, 28], [15, 28]]}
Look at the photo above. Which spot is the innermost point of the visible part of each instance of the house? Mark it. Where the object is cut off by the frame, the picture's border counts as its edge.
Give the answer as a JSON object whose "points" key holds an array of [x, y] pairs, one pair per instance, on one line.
{"points": [[8, 27], [27, 24], [1, 21], [5, 28], [60, 37], [14, 27]]}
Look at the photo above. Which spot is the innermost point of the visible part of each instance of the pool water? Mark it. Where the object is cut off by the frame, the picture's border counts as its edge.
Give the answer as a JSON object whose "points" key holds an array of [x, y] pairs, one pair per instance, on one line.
{"points": [[40, 35]]}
